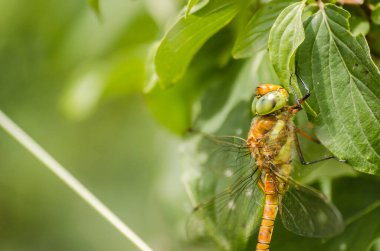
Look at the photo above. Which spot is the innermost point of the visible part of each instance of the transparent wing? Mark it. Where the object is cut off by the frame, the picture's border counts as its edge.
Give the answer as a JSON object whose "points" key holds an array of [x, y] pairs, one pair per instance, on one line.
{"points": [[234, 205], [307, 212]]}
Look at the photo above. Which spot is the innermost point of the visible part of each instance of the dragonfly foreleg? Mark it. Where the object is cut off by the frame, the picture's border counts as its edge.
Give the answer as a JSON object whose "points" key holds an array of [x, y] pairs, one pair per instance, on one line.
{"points": [[307, 136], [302, 159], [307, 95], [298, 107]]}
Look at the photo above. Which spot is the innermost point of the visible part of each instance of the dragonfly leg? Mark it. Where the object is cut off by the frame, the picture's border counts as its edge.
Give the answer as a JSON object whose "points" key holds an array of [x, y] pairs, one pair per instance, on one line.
{"points": [[297, 107], [302, 159], [307, 136]]}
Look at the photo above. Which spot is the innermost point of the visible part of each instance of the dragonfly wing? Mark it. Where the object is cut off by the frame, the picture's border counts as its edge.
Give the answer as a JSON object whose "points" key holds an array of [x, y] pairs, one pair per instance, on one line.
{"points": [[307, 212], [234, 207], [232, 216], [219, 161]]}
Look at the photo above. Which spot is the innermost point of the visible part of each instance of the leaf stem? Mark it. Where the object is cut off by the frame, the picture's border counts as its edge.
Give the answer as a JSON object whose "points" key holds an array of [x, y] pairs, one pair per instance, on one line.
{"points": [[320, 4], [26, 141]]}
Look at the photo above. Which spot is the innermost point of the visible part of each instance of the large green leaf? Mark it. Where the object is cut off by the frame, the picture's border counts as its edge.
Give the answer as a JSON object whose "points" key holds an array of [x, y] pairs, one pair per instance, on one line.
{"points": [[187, 36], [345, 88], [284, 38], [254, 37], [352, 194], [361, 233], [175, 107], [192, 3]]}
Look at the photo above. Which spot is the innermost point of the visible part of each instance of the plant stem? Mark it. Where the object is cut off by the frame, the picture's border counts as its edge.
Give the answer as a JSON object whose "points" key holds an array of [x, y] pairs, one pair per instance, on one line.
{"points": [[25, 140]]}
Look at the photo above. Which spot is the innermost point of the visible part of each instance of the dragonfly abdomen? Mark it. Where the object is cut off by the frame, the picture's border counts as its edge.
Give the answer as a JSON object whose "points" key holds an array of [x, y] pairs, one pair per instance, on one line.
{"points": [[269, 214]]}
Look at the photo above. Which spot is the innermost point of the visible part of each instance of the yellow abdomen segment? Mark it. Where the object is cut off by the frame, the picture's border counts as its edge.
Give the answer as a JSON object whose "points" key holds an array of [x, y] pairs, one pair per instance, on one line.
{"points": [[269, 214]]}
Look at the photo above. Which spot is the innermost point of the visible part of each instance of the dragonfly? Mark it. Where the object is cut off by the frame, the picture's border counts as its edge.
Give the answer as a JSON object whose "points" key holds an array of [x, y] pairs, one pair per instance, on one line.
{"points": [[257, 179]]}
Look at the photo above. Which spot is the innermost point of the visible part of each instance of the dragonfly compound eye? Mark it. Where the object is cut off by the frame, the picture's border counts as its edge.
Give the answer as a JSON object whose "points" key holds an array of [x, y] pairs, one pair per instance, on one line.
{"points": [[270, 102]]}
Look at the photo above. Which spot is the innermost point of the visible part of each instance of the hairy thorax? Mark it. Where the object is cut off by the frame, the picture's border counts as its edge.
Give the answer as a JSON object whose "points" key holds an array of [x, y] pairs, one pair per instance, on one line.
{"points": [[271, 140]]}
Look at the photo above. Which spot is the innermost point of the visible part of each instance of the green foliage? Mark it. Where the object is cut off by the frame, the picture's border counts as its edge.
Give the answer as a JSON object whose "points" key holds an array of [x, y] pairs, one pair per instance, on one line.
{"points": [[333, 58], [173, 107], [191, 4], [187, 36], [284, 38], [254, 37], [362, 231], [211, 91], [345, 83], [88, 91]]}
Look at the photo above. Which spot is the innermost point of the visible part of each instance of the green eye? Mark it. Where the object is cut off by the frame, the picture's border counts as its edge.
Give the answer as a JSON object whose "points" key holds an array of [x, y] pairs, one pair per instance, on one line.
{"points": [[269, 103], [253, 107]]}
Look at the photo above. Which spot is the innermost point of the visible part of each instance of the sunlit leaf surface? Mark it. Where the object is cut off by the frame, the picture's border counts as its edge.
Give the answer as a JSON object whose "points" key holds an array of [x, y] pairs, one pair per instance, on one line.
{"points": [[186, 37], [192, 3], [285, 36], [345, 89], [254, 37]]}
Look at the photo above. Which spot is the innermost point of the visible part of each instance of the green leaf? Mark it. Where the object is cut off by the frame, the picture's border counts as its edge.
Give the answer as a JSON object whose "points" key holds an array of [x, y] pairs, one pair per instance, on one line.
{"points": [[174, 107], [193, 3], [345, 89], [187, 36], [285, 36], [190, 5], [254, 37], [95, 6], [361, 231], [375, 14], [352, 194]]}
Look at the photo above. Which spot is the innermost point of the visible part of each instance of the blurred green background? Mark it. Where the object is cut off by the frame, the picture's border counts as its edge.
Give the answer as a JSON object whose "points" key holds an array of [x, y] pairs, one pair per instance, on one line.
{"points": [[106, 138]]}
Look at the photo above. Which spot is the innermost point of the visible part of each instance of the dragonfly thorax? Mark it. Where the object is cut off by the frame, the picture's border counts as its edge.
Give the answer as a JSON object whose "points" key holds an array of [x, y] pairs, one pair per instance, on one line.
{"points": [[271, 140]]}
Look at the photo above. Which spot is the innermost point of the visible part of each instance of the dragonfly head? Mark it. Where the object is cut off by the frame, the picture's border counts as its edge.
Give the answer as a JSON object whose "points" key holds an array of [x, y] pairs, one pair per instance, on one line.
{"points": [[269, 98]]}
